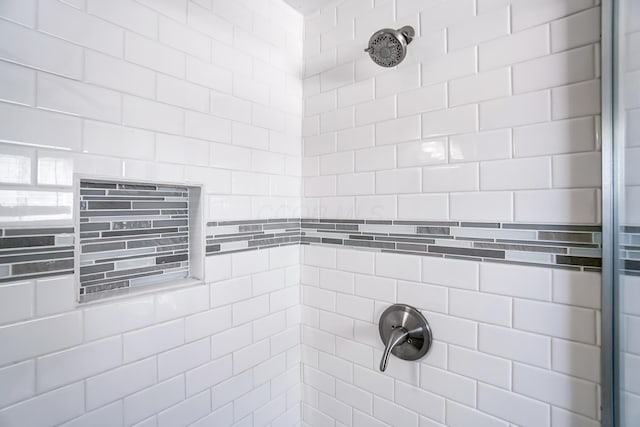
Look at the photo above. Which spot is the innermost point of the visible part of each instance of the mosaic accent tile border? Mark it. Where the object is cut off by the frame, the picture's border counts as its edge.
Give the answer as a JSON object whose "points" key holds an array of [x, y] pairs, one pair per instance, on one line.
{"points": [[630, 250], [560, 246], [132, 234], [31, 253], [225, 237]]}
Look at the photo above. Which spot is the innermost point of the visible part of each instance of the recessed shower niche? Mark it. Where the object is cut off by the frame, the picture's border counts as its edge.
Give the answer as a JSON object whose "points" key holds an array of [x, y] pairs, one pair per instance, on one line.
{"points": [[132, 236]]}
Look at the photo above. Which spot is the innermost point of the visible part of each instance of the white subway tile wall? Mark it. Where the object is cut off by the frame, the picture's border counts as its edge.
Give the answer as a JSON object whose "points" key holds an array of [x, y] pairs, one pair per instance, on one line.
{"points": [[493, 116], [207, 92]]}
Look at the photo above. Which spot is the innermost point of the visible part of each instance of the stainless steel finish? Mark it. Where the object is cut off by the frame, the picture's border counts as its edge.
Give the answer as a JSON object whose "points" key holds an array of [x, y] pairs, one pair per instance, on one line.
{"points": [[405, 332], [609, 220], [388, 47]]}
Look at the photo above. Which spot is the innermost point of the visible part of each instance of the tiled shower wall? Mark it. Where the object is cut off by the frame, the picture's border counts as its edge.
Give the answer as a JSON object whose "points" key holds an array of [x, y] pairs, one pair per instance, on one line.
{"points": [[493, 117], [203, 92], [629, 102]]}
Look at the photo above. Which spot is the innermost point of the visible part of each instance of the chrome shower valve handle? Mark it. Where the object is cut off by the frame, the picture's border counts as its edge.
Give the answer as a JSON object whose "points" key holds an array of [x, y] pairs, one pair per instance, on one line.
{"points": [[405, 333]]}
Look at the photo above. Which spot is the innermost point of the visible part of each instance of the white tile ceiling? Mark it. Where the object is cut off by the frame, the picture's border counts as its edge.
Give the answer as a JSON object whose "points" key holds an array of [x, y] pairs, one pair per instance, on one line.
{"points": [[307, 6]]}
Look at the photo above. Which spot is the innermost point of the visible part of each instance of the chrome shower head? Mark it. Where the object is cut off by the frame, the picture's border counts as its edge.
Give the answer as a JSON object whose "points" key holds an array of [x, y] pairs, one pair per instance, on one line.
{"points": [[388, 47]]}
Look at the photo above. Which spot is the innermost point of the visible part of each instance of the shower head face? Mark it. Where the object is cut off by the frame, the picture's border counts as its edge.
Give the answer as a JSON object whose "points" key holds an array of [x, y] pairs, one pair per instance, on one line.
{"points": [[388, 47]]}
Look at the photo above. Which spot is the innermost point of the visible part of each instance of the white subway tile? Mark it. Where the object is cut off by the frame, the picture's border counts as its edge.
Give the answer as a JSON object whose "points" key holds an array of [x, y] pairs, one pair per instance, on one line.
{"points": [[575, 359], [46, 335], [422, 153], [450, 178], [456, 64], [127, 14], [525, 347], [182, 94], [320, 144], [393, 414], [374, 382], [481, 307], [146, 114], [512, 407], [444, 14], [480, 28], [242, 134], [336, 163], [562, 417], [112, 319], [421, 295], [398, 266], [353, 94], [231, 389], [251, 309], [453, 330], [148, 402], [514, 48], [104, 417], [376, 288], [398, 80], [40, 51], [78, 27], [557, 389], [577, 170], [451, 121], [355, 184], [355, 261], [19, 380], [217, 78], [515, 174], [318, 298], [484, 206], [183, 38], [16, 301], [554, 70], [580, 99], [398, 181], [399, 130], [117, 383], [119, 75], [50, 408], [526, 14], [114, 140], [230, 340], [448, 385], [77, 363], [19, 84], [338, 76], [556, 137], [375, 159], [183, 358], [488, 369], [570, 206], [205, 376], [421, 100], [481, 87], [555, 320], [423, 207], [577, 288], [153, 340], [516, 110], [517, 281], [65, 95], [152, 54], [354, 396], [460, 416], [186, 412], [23, 12], [575, 30], [376, 111]]}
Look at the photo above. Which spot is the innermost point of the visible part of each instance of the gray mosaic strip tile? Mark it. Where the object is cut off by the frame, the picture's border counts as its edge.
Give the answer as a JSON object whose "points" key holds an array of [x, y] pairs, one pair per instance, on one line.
{"points": [[130, 231], [29, 253], [554, 245]]}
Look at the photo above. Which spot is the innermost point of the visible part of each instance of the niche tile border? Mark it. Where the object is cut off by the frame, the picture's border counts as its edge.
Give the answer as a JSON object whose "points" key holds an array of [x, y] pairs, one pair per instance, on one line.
{"points": [[31, 253]]}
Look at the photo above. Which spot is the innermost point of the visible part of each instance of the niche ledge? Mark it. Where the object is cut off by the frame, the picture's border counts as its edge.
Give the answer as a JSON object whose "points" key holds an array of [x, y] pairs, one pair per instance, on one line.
{"points": [[134, 237]]}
